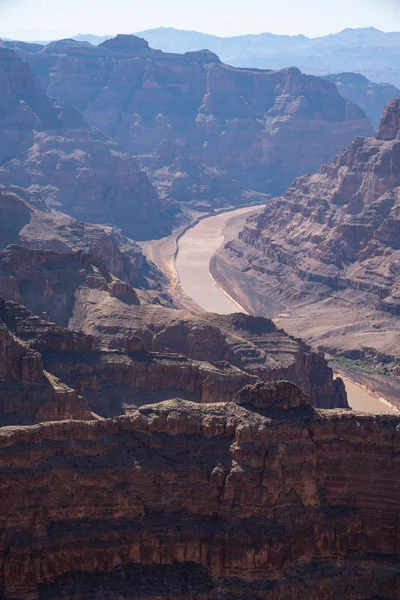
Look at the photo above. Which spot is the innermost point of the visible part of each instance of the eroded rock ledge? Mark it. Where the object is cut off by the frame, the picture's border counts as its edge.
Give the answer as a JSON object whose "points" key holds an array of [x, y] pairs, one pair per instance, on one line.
{"points": [[200, 502], [324, 259]]}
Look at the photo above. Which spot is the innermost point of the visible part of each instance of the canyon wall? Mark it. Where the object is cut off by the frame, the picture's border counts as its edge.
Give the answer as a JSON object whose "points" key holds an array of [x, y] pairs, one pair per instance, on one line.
{"points": [[207, 133], [203, 501], [49, 149], [323, 260]]}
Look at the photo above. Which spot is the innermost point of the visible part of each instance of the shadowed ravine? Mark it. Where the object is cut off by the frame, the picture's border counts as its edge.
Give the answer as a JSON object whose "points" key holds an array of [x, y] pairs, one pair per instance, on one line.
{"points": [[197, 247]]}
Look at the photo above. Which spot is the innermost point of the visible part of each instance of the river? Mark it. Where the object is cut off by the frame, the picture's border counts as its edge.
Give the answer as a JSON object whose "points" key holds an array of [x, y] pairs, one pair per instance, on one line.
{"points": [[195, 250]]}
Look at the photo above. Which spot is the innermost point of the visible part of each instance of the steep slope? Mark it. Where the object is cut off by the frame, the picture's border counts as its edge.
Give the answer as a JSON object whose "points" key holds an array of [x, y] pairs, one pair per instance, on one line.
{"points": [[76, 291], [326, 255], [26, 222], [257, 128], [371, 97], [28, 393], [49, 149], [203, 502]]}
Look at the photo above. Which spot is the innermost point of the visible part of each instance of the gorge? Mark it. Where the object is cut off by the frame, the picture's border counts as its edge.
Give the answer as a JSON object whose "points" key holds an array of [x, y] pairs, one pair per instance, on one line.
{"points": [[150, 449], [195, 263]]}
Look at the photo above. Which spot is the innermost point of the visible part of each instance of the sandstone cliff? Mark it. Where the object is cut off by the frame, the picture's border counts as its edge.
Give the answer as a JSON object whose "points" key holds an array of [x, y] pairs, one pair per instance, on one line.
{"points": [[370, 96], [26, 221], [202, 502], [256, 129], [77, 292], [28, 394], [325, 257], [49, 148]]}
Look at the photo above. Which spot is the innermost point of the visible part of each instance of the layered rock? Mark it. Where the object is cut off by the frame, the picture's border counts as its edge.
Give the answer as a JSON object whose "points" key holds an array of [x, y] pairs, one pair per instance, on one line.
{"points": [[202, 501], [49, 149], [28, 393], [257, 129], [26, 222], [325, 256], [370, 96], [53, 283], [77, 292], [109, 383]]}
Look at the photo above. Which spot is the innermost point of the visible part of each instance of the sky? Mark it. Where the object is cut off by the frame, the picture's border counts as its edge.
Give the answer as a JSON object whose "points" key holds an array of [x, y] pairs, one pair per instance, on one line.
{"points": [[44, 20]]}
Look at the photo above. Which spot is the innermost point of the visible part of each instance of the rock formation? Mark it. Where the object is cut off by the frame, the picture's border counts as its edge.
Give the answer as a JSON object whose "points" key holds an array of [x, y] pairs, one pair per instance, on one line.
{"points": [[371, 97], [325, 257], [26, 221], [77, 292], [244, 131], [49, 149], [28, 393], [202, 501]]}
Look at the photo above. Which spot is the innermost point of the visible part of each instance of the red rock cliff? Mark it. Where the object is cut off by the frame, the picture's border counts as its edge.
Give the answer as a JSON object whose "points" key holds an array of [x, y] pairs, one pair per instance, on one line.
{"points": [[325, 257], [212, 501]]}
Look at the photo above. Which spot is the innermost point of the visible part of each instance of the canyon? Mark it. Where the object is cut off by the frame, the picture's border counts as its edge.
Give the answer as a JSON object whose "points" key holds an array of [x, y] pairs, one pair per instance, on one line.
{"points": [[149, 450], [195, 260], [323, 259], [372, 97], [48, 149], [207, 134]]}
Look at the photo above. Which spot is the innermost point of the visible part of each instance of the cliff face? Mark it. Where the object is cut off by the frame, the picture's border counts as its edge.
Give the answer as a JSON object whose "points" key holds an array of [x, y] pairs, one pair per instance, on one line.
{"points": [[28, 393], [49, 148], [202, 501], [26, 221], [326, 254], [79, 293], [257, 128], [370, 96]]}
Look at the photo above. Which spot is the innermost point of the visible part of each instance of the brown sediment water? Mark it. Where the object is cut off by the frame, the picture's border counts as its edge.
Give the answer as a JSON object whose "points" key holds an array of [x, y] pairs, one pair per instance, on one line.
{"points": [[362, 400], [196, 248]]}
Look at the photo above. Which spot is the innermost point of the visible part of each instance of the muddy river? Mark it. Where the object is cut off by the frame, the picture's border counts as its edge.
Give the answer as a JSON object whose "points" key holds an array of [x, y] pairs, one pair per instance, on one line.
{"points": [[197, 247]]}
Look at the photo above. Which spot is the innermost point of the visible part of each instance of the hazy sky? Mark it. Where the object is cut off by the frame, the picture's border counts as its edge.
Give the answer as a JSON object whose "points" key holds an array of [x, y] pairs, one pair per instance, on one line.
{"points": [[50, 19]]}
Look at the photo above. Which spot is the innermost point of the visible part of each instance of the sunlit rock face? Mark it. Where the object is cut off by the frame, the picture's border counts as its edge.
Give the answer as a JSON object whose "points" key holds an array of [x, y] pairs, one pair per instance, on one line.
{"points": [[326, 255], [49, 149], [207, 133]]}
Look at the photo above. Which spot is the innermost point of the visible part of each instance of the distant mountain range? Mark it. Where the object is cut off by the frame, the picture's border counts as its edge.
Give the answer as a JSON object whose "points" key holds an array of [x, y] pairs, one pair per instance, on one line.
{"points": [[369, 51]]}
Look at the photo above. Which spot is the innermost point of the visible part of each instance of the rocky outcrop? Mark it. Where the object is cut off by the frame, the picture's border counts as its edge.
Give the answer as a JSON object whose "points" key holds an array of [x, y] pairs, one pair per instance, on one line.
{"points": [[49, 149], [389, 128], [77, 292], [202, 501], [26, 222], [370, 96], [28, 393], [53, 283], [325, 257], [111, 383], [255, 129]]}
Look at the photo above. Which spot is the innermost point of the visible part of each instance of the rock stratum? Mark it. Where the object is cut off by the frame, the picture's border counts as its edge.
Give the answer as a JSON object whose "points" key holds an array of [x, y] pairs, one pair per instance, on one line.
{"points": [[207, 133], [27, 221], [118, 347], [325, 257], [149, 452], [49, 149], [203, 501], [372, 97]]}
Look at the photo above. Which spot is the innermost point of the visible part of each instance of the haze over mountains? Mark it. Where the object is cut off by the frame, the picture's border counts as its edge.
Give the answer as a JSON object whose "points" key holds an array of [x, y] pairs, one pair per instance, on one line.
{"points": [[368, 51], [207, 134]]}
